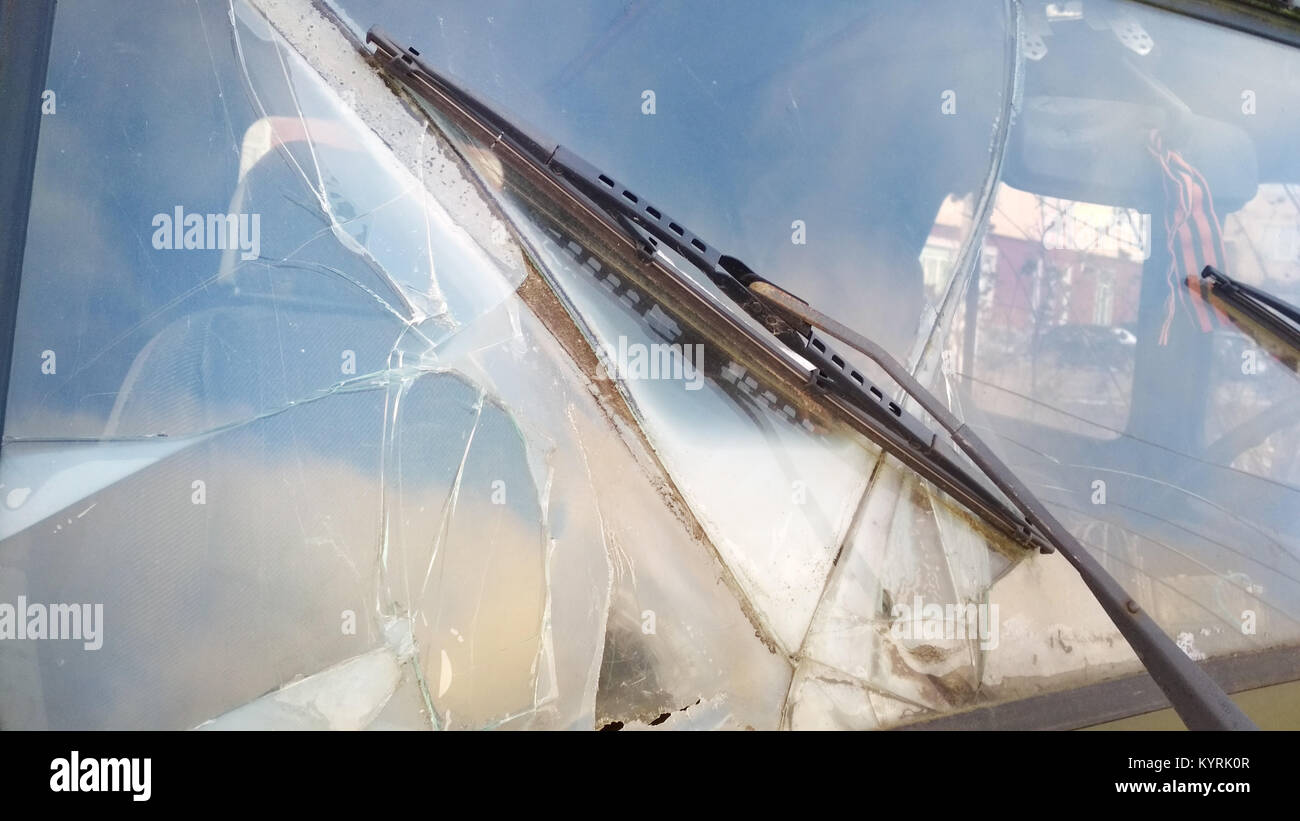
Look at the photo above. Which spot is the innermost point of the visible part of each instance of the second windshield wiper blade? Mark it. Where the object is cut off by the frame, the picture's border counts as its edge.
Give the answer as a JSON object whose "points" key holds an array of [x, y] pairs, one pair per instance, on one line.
{"points": [[1281, 319], [1194, 695]]}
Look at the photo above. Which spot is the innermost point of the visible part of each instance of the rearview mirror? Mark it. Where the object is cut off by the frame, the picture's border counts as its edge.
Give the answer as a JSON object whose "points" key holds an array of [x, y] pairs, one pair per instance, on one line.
{"points": [[1096, 151]]}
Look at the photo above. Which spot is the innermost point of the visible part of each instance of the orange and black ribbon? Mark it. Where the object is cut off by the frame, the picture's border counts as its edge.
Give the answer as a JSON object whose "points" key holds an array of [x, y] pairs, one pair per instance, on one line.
{"points": [[1194, 240]]}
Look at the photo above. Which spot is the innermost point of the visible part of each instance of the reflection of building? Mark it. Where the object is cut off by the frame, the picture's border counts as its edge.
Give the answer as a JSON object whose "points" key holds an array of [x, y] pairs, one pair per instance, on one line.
{"points": [[936, 264], [1049, 260], [1081, 263], [950, 230]]}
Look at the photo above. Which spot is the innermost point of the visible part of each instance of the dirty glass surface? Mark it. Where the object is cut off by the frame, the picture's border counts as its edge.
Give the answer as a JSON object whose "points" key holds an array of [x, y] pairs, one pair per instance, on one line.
{"points": [[412, 450]]}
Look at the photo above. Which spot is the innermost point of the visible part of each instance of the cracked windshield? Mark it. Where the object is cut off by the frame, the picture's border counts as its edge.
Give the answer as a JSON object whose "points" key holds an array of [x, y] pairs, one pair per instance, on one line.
{"points": [[390, 364]]}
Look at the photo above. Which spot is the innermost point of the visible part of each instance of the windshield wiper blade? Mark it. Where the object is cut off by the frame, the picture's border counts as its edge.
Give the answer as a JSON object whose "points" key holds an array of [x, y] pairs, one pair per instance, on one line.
{"points": [[1279, 318], [807, 359], [1194, 695]]}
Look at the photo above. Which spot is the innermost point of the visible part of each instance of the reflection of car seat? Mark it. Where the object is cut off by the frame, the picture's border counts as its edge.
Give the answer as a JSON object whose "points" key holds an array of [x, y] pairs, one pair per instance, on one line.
{"points": [[262, 332], [222, 365], [168, 390]]}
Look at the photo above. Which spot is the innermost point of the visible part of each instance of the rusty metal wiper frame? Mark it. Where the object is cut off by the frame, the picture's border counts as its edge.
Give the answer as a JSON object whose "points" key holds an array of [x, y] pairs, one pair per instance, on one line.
{"points": [[594, 195]]}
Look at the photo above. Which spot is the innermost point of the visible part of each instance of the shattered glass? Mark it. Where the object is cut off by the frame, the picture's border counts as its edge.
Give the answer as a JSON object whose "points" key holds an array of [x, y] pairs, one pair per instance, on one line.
{"points": [[411, 450], [350, 481]]}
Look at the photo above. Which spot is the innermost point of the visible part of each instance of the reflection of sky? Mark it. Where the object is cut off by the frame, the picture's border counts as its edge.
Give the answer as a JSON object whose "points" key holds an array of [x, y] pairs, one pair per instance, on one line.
{"points": [[240, 337], [90, 270], [89, 262], [766, 113]]}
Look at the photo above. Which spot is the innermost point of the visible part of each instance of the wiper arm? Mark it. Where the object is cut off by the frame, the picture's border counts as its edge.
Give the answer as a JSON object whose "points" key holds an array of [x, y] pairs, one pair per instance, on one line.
{"points": [[1198, 700], [1252, 308]]}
